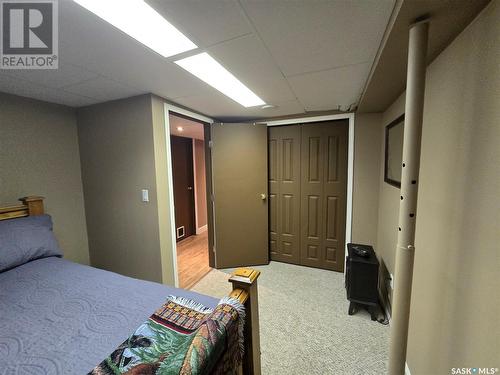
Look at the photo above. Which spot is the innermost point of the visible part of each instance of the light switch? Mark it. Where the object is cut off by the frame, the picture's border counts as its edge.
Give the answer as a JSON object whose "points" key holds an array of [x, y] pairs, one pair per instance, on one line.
{"points": [[145, 195]]}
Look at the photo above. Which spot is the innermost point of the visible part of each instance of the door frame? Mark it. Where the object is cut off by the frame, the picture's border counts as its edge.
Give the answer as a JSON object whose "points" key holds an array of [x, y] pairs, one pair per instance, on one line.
{"points": [[350, 160], [193, 213], [175, 110], [185, 112]]}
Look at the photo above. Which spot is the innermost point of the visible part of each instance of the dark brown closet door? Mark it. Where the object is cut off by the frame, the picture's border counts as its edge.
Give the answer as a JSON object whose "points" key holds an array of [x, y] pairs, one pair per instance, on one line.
{"points": [[323, 194], [284, 193], [182, 173]]}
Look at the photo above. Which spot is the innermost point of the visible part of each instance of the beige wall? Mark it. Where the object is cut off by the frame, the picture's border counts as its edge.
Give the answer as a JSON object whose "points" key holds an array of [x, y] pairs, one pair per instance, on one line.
{"points": [[165, 211], [39, 156], [388, 212], [455, 305], [200, 182], [366, 178], [124, 150], [118, 161]]}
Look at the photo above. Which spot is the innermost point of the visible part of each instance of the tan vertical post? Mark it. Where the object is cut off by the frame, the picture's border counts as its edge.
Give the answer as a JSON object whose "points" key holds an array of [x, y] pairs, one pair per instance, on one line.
{"points": [[415, 87]]}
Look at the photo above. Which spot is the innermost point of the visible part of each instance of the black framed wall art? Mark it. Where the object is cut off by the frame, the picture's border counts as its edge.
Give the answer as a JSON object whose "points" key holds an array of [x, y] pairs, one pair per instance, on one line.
{"points": [[394, 151]]}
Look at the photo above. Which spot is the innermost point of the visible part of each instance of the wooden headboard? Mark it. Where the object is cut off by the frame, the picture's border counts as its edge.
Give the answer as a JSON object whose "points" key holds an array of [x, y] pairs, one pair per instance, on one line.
{"points": [[30, 206]]}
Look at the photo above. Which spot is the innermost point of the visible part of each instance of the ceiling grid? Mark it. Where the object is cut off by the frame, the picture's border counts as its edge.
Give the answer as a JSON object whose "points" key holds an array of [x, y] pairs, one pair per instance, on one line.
{"points": [[299, 56]]}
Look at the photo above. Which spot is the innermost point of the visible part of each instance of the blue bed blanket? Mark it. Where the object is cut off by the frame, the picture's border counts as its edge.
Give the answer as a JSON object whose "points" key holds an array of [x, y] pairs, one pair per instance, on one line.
{"points": [[59, 317]]}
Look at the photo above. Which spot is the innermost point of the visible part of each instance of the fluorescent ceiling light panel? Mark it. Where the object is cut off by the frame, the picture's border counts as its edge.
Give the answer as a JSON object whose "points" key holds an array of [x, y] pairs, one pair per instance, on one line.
{"points": [[141, 22], [210, 71]]}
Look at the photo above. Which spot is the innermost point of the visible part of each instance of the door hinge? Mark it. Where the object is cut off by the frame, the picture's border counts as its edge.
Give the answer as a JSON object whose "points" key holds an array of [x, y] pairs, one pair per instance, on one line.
{"points": [[210, 144], [213, 198]]}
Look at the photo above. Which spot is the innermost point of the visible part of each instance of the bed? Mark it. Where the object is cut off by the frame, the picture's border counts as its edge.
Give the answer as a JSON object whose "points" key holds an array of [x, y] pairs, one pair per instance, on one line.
{"points": [[59, 317]]}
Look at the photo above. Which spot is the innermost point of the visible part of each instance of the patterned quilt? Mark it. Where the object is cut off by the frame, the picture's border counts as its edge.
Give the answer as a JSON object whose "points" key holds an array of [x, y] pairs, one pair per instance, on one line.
{"points": [[182, 337]]}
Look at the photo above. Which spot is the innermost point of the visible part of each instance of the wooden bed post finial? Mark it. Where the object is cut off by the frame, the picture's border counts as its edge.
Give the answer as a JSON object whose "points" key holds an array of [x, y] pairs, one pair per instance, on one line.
{"points": [[244, 281], [34, 204]]}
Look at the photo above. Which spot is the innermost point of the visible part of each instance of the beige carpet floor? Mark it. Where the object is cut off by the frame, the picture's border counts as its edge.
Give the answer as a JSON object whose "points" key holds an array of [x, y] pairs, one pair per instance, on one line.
{"points": [[304, 325]]}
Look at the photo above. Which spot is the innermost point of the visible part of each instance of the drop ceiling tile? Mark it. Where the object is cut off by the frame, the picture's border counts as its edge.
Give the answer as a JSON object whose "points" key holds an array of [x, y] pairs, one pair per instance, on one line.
{"points": [[205, 22], [307, 36], [301, 36], [67, 74], [17, 86], [162, 78], [281, 109], [219, 106], [211, 103], [71, 100], [102, 88], [328, 89], [86, 40], [250, 62]]}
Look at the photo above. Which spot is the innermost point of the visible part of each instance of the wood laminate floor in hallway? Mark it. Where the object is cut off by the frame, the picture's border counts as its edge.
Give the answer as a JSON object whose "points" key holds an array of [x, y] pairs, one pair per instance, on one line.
{"points": [[192, 259]]}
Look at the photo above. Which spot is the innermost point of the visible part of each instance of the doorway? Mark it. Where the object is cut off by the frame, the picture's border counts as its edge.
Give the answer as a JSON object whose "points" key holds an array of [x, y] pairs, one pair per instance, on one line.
{"points": [[184, 194], [189, 175], [210, 146]]}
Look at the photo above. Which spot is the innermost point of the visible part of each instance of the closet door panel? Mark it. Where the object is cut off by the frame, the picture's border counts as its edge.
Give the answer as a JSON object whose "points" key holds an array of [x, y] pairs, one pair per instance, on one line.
{"points": [[284, 186], [335, 194], [311, 196], [273, 224], [273, 196], [323, 194]]}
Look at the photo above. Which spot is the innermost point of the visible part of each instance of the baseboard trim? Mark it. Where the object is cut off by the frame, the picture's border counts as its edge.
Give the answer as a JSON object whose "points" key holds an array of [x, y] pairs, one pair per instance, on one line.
{"points": [[202, 229], [407, 369], [387, 313], [384, 304]]}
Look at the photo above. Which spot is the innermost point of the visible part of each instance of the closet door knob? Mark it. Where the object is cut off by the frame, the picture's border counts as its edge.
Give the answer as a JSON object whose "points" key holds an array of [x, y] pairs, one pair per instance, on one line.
{"points": [[263, 197], [190, 188]]}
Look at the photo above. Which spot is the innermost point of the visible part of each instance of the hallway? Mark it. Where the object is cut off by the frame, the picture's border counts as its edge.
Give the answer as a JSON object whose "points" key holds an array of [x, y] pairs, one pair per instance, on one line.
{"points": [[192, 259]]}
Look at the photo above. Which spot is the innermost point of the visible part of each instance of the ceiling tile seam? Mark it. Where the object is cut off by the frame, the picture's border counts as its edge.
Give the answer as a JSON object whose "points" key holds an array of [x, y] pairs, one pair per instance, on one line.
{"points": [[192, 52], [228, 40], [390, 24], [198, 50], [80, 95], [200, 47], [82, 81], [126, 85], [48, 87], [259, 37], [326, 69]]}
